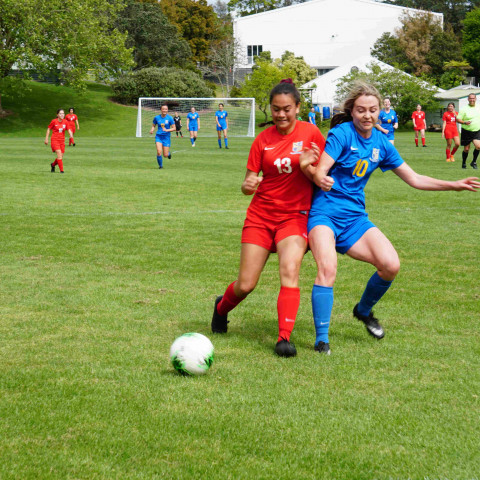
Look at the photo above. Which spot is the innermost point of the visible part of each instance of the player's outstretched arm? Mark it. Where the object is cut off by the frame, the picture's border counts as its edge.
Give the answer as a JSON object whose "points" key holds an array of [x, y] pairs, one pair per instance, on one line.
{"points": [[321, 177], [307, 159], [422, 182], [46, 136], [251, 182]]}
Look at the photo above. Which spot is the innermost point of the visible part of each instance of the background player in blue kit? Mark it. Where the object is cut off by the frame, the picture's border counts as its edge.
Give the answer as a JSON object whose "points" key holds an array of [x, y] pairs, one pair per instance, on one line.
{"points": [[165, 124], [222, 125], [193, 125], [387, 121], [311, 116], [338, 221]]}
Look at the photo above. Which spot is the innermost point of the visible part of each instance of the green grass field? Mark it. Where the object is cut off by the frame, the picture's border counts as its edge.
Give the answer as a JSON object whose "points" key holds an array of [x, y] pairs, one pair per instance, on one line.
{"points": [[103, 267]]}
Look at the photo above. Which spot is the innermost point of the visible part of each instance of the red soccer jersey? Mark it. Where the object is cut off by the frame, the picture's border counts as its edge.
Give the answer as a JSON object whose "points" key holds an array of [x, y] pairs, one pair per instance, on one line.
{"points": [[450, 118], [418, 120], [71, 118], [58, 129], [284, 188]]}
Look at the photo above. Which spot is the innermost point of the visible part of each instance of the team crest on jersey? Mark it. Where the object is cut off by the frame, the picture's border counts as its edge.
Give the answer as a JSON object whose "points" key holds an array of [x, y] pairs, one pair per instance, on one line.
{"points": [[375, 155], [297, 148]]}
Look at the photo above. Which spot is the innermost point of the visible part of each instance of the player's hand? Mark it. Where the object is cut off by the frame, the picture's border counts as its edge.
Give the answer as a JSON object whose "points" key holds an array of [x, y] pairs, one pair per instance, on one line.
{"points": [[46, 142], [326, 183], [309, 156], [470, 183], [250, 184]]}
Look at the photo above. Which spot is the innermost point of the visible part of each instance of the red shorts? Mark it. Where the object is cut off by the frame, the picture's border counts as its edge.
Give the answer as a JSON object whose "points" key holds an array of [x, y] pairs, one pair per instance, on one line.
{"points": [[451, 131], [58, 146], [417, 129], [267, 233]]}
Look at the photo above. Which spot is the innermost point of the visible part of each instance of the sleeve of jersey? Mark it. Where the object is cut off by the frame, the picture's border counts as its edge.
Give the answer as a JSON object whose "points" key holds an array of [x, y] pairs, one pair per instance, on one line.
{"points": [[335, 142], [396, 118], [255, 156], [155, 121], [51, 125], [444, 116], [392, 158]]}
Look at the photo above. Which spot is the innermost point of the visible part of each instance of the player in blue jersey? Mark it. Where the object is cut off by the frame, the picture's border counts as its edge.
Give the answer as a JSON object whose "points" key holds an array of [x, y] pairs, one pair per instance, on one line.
{"points": [[193, 125], [311, 116], [387, 121], [165, 124], [222, 125], [338, 221]]}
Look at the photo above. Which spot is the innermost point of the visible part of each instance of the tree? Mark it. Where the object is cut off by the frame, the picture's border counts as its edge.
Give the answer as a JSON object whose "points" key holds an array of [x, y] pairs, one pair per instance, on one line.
{"points": [[387, 49], [404, 90], [196, 22], [31, 39], [145, 24], [471, 39], [455, 73], [250, 7], [298, 68]]}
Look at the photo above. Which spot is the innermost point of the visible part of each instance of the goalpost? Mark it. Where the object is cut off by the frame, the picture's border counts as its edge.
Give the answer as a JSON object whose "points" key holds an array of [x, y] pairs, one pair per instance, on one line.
{"points": [[241, 114]]}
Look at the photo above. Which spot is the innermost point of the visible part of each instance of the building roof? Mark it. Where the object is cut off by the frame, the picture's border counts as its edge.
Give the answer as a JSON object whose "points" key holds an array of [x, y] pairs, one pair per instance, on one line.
{"points": [[458, 92]]}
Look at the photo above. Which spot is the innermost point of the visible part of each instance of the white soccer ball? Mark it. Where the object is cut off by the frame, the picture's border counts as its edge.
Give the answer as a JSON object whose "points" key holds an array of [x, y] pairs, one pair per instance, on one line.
{"points": [[191, 354]]}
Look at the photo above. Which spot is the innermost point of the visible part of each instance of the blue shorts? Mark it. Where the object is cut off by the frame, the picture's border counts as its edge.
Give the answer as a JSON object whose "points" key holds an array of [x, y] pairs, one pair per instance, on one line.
{"points": [[221, 127], [391, 136], [193, 128], [347, 231], [165, 141]]}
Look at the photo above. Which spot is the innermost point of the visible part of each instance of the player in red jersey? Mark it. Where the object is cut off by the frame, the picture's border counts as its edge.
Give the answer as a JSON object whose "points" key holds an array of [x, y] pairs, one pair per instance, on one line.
{"points": [[450, 131], [277, 216], [58, 126], [418, 118], [71, 118]]}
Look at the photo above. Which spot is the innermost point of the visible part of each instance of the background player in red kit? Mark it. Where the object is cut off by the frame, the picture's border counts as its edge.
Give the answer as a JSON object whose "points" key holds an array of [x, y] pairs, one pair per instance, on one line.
{"points": [[418, 118], [450, 131], [71, 118], [277, 216], [58, 126]]}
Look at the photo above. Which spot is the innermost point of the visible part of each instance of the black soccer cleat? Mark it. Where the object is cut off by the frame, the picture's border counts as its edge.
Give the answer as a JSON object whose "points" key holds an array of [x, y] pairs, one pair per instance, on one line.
{"points": [[371, 323], [169, 156], [226, 148], [473, 164], [284, 348], [219, 322], [73, 144], [464, 164], [52, 168], [323, 348], [424, 146]]}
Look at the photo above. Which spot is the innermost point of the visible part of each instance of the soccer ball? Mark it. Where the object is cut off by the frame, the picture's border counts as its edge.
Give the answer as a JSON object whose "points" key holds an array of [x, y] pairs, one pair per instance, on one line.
{"points": [[191, 354]]}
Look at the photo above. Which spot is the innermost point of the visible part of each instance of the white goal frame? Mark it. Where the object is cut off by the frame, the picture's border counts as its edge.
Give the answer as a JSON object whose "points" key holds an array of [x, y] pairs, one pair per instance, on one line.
{"points": [[207, 121]]}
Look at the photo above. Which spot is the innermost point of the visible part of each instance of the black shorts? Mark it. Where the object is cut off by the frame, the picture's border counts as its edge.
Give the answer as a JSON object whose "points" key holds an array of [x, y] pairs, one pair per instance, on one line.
{"points": [[178, 128], [467, 137]]}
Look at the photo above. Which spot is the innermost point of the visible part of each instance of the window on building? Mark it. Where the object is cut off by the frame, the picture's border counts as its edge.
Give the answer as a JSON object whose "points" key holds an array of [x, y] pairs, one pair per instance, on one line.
{"points": [[252, 51], [323, 71]]}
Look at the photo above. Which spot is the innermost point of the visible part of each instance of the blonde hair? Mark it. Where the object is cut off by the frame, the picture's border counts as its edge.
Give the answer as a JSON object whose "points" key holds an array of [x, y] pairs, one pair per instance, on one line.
{"points": [[358, 89]]}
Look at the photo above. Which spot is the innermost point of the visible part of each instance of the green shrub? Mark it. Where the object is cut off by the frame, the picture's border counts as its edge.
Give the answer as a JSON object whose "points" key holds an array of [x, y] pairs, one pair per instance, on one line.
{"points": [[159, 82]]}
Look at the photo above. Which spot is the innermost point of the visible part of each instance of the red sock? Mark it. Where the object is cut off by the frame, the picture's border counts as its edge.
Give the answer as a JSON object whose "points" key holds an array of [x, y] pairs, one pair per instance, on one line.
{"points": [[229, 300], [454, 151], [423, 140], [55, 163], [416, 142], [447, 151], [287, 308], [60, 164]]}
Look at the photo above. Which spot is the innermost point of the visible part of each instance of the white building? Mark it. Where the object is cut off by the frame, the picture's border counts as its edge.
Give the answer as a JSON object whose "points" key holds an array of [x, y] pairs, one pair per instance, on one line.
{"points": [[326, 33]]}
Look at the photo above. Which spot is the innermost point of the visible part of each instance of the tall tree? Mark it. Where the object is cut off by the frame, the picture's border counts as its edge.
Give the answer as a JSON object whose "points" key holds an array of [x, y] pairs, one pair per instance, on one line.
{"points": [[145, 24], [471, 39], [196, 22], [298, 68], [31, 37], [387, 49], [250, 7]]}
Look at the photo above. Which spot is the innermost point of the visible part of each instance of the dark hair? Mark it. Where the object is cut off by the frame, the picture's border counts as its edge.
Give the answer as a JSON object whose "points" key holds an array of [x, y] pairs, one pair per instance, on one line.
{"points": [[221, 104], [452, 104], [286, 87], [60, 110], [71, 108], [163, 105], [358, 89]]}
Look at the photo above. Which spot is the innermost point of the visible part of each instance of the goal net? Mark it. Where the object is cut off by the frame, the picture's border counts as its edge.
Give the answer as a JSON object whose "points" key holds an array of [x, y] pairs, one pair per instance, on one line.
{"points": [[241, 114]]}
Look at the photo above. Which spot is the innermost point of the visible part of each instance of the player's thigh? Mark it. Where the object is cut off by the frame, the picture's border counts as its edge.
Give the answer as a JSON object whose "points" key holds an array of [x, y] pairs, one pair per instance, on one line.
{"points": [[322, 243], [59, 153], [375, 248], [159, 146], [252, 260], [166, 150], [290, 255], [476, 144]]}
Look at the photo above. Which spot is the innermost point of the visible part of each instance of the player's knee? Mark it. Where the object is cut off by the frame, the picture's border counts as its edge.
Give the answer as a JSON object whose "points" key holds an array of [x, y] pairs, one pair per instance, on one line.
{"points": [[327, 273], [244, 287], [391, 267]]}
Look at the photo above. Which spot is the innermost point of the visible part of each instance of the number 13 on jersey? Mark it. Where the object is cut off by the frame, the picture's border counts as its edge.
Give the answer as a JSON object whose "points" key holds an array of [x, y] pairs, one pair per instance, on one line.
{"points": [[284, 165]]}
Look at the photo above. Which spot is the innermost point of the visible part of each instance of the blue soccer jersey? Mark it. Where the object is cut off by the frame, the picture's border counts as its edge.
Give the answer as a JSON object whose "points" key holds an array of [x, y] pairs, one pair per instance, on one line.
{"points": [[193, 121], [355, 160], [387, 121], [222, 118], [311, 118], [167, 121]]}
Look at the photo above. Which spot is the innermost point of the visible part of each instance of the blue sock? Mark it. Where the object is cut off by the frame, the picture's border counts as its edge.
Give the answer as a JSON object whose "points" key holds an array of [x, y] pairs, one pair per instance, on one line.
{"points": [[322, 304], [220, 143], [226, 142], [374, 291], [192, 140], [160, 161]]}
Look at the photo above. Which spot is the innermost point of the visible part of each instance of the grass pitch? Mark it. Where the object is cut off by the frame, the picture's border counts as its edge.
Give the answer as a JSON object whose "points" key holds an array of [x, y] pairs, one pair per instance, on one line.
{"points": [[103, 267]]}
